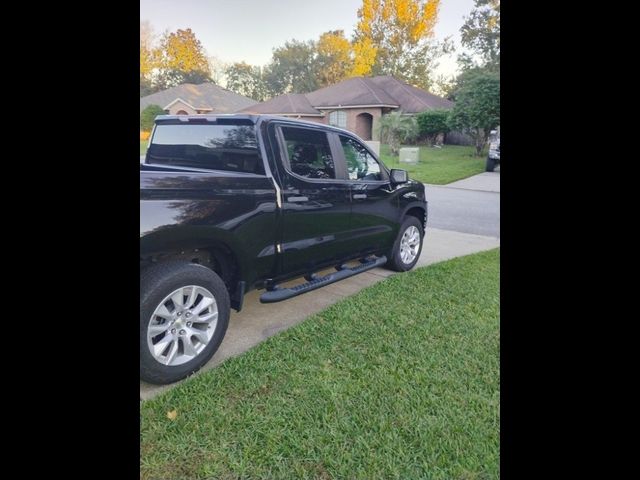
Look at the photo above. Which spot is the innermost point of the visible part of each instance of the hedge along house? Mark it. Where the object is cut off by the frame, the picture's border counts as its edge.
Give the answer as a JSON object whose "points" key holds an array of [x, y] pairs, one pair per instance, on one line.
{"points": [[355, 104], [190, 99]]}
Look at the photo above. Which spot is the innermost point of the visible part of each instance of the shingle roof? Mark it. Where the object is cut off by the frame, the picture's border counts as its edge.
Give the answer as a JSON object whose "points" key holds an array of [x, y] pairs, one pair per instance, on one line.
{"points": [[357, 91], [353, 91], [293, 103], [411, 99], [205, 95]]}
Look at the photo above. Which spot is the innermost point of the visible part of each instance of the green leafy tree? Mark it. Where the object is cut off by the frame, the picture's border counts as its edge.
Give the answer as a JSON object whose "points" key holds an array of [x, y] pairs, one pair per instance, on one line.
{"points": [[444, 86], [292, 68], [477, 108], [481, 34], [432, 123], [148, 115], [246, 80], [146, 87], [397, 129]]}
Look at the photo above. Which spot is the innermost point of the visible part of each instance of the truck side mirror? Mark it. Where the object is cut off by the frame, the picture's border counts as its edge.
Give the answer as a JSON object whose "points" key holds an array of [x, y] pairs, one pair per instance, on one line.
{"points": [[399, 176]]}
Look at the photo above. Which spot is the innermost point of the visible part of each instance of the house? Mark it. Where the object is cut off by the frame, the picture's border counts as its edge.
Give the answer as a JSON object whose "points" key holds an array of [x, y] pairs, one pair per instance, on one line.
{"points": [[355, 104], [189, 99]]}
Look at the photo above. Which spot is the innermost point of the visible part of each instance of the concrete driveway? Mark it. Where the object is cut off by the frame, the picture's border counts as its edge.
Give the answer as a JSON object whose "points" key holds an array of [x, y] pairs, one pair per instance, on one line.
{"points": [[486, 182]]}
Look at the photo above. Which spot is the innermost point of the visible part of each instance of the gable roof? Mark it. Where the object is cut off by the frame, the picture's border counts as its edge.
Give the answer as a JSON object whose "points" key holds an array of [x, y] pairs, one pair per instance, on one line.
{"points": [[350, 92], [411, 99], [381, 91], [289, 103], [203, 96]]}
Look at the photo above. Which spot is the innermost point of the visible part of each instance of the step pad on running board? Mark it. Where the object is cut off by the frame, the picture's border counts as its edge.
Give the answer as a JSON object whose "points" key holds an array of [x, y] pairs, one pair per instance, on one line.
{"points": [[277, 294]]}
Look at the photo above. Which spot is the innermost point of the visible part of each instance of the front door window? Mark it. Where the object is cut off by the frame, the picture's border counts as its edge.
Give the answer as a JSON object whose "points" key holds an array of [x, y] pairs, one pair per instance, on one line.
{"points": [[360, 163]]}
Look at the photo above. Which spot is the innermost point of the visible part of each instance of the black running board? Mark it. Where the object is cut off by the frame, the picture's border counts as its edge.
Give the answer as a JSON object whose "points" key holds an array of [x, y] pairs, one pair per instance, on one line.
{"points": [[278, 294]]}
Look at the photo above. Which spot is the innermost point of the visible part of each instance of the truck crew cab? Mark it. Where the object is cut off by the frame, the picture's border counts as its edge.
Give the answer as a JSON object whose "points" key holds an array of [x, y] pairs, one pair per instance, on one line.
{"points": [[232, 203]]}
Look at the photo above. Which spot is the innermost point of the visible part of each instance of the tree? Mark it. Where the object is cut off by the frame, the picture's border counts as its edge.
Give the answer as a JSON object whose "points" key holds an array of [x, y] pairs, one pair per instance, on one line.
{"points": [[183, 52], [396, 129], [396, 37], [147, 55], [292, 68], [444, 86], [477, 108], [466, 75], [432, 123], [334, 60], [146, 87], [217, 69], [246, 80], [180, 58], [148, 116], [481, 34]]}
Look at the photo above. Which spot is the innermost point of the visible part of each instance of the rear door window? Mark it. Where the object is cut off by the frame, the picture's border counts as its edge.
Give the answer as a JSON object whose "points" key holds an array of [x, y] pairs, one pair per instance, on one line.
{"points": [[231, 148], [309, 153]]}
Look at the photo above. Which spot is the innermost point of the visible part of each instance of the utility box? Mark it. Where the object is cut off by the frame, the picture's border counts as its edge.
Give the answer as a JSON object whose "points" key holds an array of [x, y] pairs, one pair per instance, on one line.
{"points": [[409, 155], [373, 145]]}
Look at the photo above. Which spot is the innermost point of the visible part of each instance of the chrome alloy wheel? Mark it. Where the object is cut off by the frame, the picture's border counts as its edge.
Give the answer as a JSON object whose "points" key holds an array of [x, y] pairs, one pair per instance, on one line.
{"points": [[182, 325], [409, 245]]}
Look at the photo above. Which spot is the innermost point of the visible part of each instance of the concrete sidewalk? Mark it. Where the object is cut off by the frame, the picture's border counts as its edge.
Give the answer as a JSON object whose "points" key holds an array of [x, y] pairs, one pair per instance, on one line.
{"points": [[257, 322], [486, 182]]}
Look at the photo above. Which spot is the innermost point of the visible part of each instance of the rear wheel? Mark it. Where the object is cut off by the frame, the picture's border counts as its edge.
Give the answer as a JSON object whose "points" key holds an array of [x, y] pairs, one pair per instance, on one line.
{"points": [[407, 247], [184, 314]]}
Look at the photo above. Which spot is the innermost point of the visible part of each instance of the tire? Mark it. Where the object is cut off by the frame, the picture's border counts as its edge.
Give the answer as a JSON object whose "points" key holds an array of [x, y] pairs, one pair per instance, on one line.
{"points": [[395, 257], [491, 164], [204, 334]]}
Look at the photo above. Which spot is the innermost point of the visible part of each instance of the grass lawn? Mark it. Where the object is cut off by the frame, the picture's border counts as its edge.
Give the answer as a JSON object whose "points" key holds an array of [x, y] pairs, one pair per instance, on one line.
{"points": [[143, 146], [439, 165], [401, 380]]}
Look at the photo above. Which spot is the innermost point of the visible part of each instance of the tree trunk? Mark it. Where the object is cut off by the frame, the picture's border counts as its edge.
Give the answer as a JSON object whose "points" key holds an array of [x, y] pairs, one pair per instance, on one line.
{"points": [[480, 141]]}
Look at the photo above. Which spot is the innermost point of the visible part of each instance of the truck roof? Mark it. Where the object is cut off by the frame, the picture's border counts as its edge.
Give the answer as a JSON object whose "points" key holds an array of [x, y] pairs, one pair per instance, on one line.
{"points": [[242, 118]]}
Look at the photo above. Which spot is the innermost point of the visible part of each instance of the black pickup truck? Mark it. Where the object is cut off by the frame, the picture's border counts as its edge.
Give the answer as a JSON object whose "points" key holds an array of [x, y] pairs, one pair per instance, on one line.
{"points": [[232, 203]]}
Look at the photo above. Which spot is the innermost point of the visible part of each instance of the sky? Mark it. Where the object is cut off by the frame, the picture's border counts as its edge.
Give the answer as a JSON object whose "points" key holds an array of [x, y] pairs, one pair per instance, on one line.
{"points": [[248, 30]]}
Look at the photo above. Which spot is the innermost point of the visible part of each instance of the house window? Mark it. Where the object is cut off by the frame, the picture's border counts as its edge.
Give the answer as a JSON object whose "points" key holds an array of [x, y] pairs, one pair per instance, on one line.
{"points": [[338, 119]]}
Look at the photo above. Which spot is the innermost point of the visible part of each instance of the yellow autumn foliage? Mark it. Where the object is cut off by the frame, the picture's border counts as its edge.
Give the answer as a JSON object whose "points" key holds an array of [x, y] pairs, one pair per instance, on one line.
{"points": [[390, 28], [334, 57]]}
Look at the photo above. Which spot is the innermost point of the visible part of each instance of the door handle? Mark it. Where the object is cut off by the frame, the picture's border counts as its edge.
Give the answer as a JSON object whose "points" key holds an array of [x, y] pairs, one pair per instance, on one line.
{"points": [[359, 196], [297, 199]]}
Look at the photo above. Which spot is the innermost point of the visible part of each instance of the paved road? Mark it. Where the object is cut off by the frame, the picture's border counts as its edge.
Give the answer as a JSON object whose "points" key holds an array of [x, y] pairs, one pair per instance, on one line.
{"points": [[462, 210]]}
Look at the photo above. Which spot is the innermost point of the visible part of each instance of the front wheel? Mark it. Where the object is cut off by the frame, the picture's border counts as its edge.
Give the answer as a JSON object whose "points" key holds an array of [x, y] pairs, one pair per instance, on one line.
{"points": [[184, 314], [407, 247]]}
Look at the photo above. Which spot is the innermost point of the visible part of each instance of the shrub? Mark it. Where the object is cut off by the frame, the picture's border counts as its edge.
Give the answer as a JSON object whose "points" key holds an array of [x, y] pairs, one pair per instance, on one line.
{"points": [[477, 108], [432, 123], [148, 115], [396, 129], [144, 135]]}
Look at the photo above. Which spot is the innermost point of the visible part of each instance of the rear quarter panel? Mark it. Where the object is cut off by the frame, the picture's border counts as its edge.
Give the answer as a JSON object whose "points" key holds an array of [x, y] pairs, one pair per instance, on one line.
{"points": [[181, 210]]}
